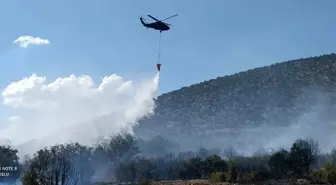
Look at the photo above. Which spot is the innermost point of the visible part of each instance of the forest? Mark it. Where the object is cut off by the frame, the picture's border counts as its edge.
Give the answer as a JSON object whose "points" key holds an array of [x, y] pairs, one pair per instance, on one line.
{"points": [[125, 158]]}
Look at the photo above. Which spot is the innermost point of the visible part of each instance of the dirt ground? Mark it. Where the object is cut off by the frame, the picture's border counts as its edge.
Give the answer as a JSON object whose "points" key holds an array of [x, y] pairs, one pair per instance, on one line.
{"points": [[189, 182], [206, 182]]}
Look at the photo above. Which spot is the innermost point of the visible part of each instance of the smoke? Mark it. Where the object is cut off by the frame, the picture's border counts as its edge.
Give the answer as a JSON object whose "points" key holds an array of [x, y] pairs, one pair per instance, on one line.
{"points": [[312, 115], [316, 121], [73, 109]]}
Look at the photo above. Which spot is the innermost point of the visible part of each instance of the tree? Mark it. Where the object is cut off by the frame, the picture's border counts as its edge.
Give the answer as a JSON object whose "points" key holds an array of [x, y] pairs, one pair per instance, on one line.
{"points": [[81, 157], [203, 153], [112, 151], [50, 166], [9, 158], [172, 165], [157, 146], [303, 154], [135, 170], [278, 163], [192, 169], [214, 163], [333, 156], [120, 147], [230, 153], [144, 169], [126, 171], [232, 172]]}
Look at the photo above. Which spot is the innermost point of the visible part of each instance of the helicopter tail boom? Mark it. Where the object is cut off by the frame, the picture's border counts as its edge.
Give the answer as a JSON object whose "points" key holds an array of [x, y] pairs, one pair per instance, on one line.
{"points": [[142, 21]]}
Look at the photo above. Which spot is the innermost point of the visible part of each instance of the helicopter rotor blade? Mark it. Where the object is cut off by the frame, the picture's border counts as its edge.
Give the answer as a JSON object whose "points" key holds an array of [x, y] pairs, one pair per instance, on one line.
{"points": [[153, 18], [170, 17]]}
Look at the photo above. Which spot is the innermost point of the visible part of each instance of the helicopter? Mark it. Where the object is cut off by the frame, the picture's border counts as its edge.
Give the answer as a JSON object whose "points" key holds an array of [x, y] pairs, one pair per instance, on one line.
{"points": [[158, 25]]}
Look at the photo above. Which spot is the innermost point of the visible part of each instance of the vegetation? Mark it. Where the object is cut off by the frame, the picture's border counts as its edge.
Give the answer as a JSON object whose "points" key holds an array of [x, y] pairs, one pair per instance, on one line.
{"points": [[76, 164], [222, 102], [281, 91]]}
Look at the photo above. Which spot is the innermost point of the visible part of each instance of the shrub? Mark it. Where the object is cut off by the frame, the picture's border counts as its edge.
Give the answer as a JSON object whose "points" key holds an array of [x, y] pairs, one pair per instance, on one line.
{"points": [[260, 176], [144, 181], [244, 177], [217, 177], [325, 175], [331, 176], [253, 177], [330, 173], [317, 177]]}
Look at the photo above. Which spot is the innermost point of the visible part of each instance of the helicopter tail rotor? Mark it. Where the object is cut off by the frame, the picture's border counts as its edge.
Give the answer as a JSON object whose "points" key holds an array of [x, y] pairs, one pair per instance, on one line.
{"points": [[142, 20], [141, 17]]}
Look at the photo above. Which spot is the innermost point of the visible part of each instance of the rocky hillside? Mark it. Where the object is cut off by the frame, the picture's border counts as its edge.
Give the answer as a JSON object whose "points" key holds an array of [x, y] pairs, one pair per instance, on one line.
{"points": [[273, 95], [249, 110]]}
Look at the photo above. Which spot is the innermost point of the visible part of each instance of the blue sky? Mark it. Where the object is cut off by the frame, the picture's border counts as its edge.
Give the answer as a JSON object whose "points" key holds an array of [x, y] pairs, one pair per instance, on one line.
{"points": [[208, 39]]}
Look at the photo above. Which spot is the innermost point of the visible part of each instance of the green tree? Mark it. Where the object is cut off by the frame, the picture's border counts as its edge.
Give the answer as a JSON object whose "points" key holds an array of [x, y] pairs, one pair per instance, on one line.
{"points": [[126, 171], [157, 146], [144, 168], [9, 158], [192, 169], [303, 154], [81, 157], [232, 172], [203, 153], [214, 163], [50, 166], [119, 148], [278, 163], [333, 156]]}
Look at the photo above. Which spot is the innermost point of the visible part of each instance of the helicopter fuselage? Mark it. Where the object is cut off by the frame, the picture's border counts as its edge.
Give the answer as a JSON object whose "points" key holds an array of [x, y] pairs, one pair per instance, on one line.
{"points": [[156, 25]]}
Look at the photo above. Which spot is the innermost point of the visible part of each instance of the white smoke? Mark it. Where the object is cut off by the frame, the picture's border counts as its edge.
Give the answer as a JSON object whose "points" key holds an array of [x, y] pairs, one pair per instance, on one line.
{"points": [[73, 109]]}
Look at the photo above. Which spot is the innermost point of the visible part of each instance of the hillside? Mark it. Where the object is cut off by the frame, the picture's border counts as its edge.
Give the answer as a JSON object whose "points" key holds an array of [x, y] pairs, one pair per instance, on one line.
{"points": [[276, 95], [261, 108]]}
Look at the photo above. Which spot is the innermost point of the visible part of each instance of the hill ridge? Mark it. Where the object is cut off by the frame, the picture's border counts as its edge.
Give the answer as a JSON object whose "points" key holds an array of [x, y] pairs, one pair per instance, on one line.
{"points": [[257, 68], [274, 95]]}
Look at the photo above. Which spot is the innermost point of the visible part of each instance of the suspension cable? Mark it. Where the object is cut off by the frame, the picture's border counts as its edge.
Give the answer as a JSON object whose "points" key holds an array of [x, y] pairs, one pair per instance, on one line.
{"points": [[159, 55]]}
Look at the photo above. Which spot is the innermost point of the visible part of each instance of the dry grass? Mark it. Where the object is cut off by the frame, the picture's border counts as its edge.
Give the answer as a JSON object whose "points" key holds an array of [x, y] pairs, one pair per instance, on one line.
{"points": [[206, 182], [189, 182]]}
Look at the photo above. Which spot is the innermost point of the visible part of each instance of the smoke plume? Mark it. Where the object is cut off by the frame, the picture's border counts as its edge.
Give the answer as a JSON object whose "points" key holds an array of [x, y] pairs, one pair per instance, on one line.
{"points": [[73, 109]]}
